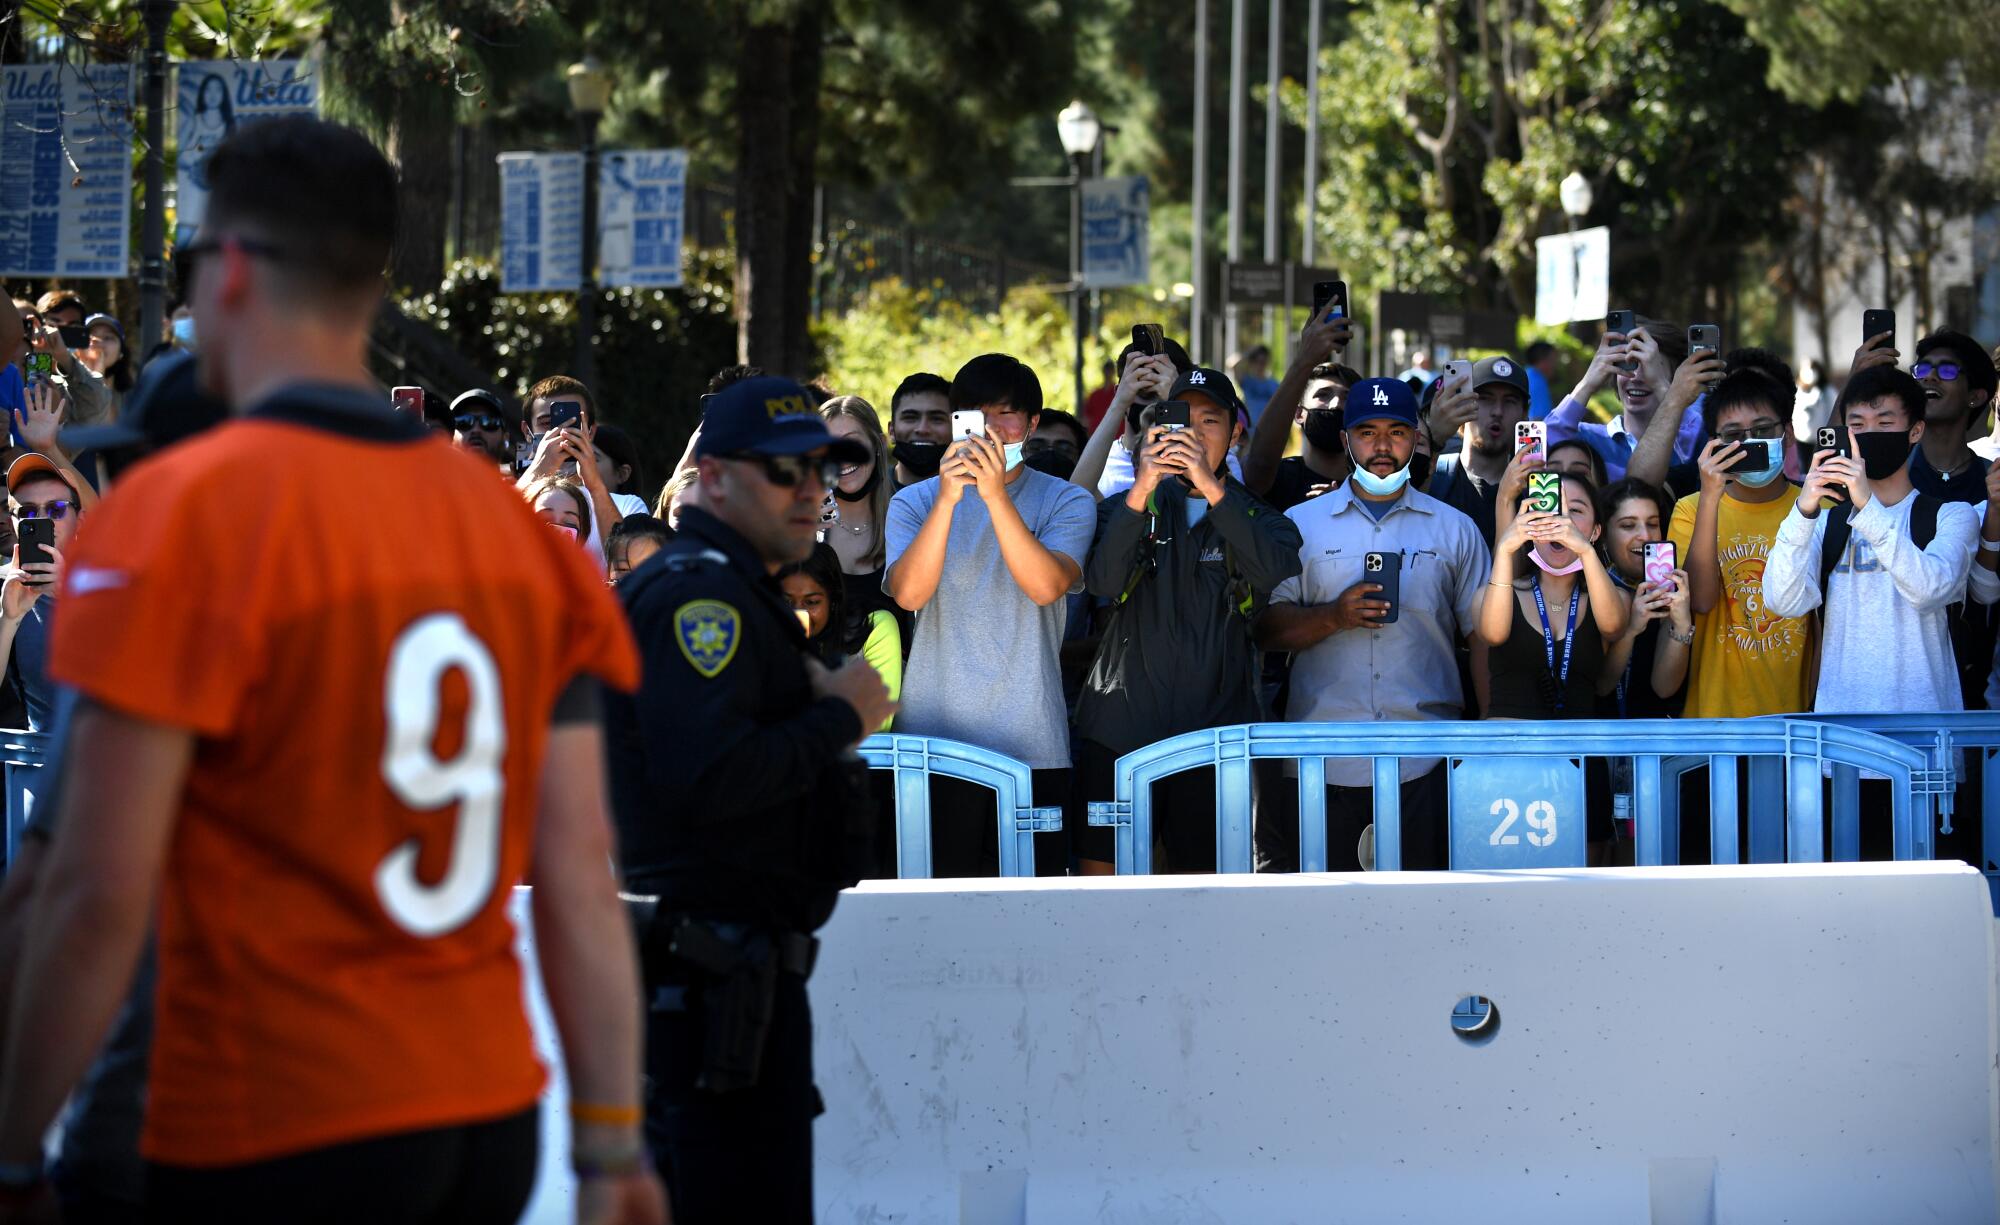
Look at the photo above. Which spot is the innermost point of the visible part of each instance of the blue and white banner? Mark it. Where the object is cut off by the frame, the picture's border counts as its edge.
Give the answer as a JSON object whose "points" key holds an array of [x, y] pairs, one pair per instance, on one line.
{"points": [[1116, 213], [65, 170], [641, 205], [541, 222], [211, 100]]}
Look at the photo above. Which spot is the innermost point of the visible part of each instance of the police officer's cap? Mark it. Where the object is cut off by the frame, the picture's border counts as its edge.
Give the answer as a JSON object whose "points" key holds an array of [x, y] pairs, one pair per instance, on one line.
{"points": [[770, 416]]}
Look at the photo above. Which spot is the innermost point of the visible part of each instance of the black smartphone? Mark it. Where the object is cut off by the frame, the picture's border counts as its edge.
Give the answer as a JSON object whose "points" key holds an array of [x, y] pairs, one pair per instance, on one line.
{"points": [[1835, 439], [74, 335], [1329, 300], [1149, 339], [1876, 322], [1624, 323], [1545, 493], [1171, 414], [565, 414], [1704, 338], [1385, 569], [1757, 455], [37, 536]]}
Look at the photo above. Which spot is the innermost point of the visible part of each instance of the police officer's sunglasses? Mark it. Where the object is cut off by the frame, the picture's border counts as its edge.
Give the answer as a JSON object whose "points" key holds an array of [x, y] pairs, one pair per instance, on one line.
{"points": [[477, 421], [1946, 371], [786, 471]]}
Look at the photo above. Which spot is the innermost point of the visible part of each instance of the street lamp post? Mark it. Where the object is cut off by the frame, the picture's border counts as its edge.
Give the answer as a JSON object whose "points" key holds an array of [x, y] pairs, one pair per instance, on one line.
{"points": [[1078, 129], [589, 92]]}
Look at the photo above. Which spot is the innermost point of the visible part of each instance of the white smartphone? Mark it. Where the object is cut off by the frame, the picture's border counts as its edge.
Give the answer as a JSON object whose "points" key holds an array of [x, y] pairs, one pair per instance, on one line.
{"points": [[1532, 436], [1457, 370], [967, 423]]}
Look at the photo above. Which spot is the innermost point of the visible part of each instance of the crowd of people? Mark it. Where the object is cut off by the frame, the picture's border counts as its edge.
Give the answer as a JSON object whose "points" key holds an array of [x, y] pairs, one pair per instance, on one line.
{"points": [[962, 562]]}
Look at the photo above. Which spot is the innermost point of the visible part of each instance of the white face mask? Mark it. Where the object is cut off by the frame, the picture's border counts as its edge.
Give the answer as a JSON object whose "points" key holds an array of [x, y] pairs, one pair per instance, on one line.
{"points": [[1012, 452]]}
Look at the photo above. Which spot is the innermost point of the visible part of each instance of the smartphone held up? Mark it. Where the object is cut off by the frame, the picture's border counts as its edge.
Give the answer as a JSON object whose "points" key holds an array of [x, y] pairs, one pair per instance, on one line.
{"points": [[1660, 563], [1533, 438], [1544, 494], [1385, 570]]}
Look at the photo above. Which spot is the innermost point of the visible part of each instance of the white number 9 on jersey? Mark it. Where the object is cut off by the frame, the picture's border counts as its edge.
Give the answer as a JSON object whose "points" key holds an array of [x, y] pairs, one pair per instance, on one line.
{"points": [[431, 647]]}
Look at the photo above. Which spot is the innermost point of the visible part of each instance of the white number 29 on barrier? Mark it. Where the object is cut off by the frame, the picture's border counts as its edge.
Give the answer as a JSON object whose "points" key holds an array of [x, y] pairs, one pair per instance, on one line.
{"points": [[418, 662], [1541, 818]]}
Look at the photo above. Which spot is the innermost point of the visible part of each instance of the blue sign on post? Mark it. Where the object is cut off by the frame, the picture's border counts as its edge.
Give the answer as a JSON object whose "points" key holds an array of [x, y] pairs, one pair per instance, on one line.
{"points": [[1116, 216], [66, 193], [541, 222], [641, 204], [212, 100], [1517, 812]]}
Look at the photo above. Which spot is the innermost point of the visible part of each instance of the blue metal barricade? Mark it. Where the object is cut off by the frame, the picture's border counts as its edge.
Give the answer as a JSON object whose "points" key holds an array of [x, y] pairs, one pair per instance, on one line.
{"points": [[1944, 738], [914, 759], [1517, 787], [23, 753]]}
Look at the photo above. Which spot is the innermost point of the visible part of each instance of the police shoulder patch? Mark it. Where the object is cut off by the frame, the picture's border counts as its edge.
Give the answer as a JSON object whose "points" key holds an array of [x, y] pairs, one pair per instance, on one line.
{"points": [[708, 631]]}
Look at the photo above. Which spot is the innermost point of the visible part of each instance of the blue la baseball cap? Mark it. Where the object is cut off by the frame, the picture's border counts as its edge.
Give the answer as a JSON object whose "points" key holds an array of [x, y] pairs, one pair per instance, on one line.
{"points": [[770, 416], [1380, 400]]}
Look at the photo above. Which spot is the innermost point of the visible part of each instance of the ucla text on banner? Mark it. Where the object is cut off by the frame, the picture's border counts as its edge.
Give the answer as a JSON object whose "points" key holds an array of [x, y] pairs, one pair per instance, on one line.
{"points": [[65, 170], [1116, 213], [211, 100], [641, 205]]}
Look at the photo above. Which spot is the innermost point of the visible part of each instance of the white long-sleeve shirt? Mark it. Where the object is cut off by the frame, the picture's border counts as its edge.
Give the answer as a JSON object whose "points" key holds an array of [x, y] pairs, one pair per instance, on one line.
{"points": [[1887, 639]]}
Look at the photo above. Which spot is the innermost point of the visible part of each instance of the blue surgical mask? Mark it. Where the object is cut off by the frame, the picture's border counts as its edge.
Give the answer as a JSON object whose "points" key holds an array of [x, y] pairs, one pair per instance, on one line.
{"points": [[1762, 476], [1012, 452], [184, 331], [1380, 486]]}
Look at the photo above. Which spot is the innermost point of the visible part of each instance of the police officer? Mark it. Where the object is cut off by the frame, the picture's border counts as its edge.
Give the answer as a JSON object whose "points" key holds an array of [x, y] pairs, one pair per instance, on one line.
{"points": [[738, 810]]}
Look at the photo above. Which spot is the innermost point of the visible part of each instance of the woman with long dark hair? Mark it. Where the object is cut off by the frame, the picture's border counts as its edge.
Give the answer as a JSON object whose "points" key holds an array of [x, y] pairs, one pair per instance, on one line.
{"points": [[835, 629]]}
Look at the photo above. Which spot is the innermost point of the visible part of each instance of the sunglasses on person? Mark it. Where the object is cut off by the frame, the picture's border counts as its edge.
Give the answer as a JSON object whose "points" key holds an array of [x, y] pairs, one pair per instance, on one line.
{"points": [[477, 421], [57, 511], [185, 258], [1946, 371], [786, 471]]}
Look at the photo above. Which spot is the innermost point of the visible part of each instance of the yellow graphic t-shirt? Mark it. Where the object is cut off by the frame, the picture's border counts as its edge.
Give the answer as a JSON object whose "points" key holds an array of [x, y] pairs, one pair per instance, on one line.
{"points": [[1747, 660]]}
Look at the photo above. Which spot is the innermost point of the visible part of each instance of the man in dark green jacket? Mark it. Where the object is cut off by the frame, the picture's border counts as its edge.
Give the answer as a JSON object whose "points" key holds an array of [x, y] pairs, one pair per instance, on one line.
{"points": [[1188, 557]]}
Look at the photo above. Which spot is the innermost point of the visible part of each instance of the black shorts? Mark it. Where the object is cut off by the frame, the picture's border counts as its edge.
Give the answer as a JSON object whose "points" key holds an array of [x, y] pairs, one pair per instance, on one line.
{"points": [[470, 1174]]}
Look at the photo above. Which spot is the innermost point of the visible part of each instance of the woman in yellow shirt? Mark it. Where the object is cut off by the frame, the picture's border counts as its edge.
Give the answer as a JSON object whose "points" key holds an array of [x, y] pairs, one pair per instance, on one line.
{"points": [[815, 589]]}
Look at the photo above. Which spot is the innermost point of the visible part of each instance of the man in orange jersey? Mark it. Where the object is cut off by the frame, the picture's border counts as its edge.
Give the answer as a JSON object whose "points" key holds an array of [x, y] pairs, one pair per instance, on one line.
{"points": [[323, 755]]}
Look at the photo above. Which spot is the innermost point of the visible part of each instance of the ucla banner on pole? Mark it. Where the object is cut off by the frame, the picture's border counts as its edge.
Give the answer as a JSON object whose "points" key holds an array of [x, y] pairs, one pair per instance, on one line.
{"points": [[541, 222], [214, 99], [641, 205], [65, 170], [1116, 213]]}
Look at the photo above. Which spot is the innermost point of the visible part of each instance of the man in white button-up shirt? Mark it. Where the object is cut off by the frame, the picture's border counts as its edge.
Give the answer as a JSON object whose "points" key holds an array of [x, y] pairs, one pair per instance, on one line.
{"points": [[1349, 665]]}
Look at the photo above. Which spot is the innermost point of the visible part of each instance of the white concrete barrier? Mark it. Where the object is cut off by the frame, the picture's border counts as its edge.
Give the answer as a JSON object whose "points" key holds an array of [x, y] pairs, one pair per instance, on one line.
{"points": [[1753, 1044]]}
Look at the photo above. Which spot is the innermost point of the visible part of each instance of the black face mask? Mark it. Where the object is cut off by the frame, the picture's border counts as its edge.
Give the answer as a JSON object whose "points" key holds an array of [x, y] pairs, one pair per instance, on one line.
{"points": [[1420, 467], [1055, 463], [1883, 452], [1322, 429], [868, 487], [921, 458]]}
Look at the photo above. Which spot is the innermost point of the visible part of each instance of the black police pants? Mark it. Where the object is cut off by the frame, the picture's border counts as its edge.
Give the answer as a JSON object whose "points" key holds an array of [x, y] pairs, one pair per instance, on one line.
{"points": [[745, 1155]]}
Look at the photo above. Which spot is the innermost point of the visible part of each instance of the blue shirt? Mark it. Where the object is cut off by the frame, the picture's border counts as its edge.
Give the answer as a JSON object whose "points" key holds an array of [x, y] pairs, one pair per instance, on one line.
{"points": [[1256, 394], [1539, 403], [1615, 442], [31, 664]]}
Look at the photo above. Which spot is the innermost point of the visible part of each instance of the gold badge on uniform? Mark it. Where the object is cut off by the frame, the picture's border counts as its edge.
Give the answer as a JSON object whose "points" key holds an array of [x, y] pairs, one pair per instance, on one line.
{"points": [[708, 631]]}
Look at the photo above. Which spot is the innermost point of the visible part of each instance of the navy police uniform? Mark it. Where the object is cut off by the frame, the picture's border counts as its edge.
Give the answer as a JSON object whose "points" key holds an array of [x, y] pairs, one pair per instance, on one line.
{"points": [[740, 816]]}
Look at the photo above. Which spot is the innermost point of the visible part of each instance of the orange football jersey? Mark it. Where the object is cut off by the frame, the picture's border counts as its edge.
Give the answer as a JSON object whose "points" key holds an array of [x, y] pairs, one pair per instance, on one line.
{"points": [[367, 631]]}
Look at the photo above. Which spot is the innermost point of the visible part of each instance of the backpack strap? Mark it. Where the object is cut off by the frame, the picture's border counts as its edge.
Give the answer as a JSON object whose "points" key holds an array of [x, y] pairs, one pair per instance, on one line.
{"points": [[1444, 476], [1923, 520], [1923, 530]]}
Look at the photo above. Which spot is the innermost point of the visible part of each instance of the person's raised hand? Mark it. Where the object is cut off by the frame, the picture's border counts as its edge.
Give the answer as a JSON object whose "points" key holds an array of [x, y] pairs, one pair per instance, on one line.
{"points": [[1185, 454], [1357, 609], [1151, 465], [1713, 463], [1696, 375], [1321, 339], [1826, 478], [1993, 484], [1640, 347], [18, 595], [1455, 405], [856, 683], [989, 466], [42, 418], [1142, 374], [49, 340], [550, 454], [1876, 350], [1680, 604], [955, 471], [1514, 480], [1604, 365], [1649, 603]]}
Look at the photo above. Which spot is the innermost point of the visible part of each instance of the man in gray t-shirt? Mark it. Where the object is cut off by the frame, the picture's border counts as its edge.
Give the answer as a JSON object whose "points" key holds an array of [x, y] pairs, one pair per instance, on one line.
{"points": [[984, 553]]}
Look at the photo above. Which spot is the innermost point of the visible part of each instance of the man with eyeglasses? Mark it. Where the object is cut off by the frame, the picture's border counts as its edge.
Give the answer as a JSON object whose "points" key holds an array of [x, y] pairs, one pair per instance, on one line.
{"points": [[479, 426], [1747, 660], [739, 814], [36, 489]]}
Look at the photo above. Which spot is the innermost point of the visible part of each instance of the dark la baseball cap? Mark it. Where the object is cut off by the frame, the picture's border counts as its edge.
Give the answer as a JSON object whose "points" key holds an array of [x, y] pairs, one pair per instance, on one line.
{"points": [[770, 416], [1380, 400], [1503, 370], [1206, 381], [165, 406]]}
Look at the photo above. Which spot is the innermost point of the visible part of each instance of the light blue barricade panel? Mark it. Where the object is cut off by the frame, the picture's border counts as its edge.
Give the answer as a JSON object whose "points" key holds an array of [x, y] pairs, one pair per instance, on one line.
{"points": [[1518, 812], [913, 760]]}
